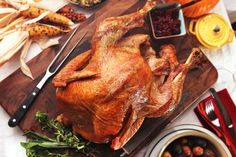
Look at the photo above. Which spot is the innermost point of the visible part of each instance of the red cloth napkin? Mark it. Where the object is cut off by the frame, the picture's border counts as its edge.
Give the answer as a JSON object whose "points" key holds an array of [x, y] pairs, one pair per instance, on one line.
{"points": [[224, 134]]}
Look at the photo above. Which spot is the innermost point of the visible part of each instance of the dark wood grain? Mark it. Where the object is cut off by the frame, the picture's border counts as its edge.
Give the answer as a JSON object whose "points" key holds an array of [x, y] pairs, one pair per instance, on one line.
{"points": [[15, 88]]}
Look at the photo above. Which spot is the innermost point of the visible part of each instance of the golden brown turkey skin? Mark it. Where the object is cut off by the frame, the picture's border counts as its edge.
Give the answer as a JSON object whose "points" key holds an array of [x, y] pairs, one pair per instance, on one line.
{"points": [[106, 92], [97, 106], [97, 90], [112, 104]]}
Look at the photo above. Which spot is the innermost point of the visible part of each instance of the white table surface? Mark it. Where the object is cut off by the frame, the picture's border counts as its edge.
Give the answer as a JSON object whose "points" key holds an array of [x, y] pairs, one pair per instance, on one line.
{"points": [[224, 59]]}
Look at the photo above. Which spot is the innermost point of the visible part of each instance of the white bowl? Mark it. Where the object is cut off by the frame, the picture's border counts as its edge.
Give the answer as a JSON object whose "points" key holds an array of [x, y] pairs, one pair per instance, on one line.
{"points": [[158, 145]]}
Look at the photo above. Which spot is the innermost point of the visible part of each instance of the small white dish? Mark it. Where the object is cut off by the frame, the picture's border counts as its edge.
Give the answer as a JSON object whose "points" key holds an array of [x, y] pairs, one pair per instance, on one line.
{"points": [[181, 18]]}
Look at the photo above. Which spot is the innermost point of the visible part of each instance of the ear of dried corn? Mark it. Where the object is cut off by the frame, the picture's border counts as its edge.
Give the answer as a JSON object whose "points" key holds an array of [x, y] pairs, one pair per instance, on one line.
{"points": [[42, 30], [3, 4], [33, 12], [75, 17], [40, 17], [66, 9], [17, 34]]}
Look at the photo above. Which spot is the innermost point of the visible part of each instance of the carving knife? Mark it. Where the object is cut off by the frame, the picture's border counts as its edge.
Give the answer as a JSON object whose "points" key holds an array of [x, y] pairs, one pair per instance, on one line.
{"points": [[27, 103], [224, 113]]}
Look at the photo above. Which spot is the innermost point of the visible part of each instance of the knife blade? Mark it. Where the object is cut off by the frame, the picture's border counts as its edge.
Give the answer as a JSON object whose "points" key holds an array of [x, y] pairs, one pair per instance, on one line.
{"points": [[27, 103], [224, 113]]}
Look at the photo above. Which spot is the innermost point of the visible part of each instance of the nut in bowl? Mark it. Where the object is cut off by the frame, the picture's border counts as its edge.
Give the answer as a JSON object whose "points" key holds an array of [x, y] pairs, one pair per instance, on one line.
{"points": [[167, 21], [187, 141]]}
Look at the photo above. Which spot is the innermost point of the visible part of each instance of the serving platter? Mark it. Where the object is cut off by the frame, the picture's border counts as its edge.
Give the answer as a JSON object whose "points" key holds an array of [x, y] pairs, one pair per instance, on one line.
{"points": [[15, 88]]}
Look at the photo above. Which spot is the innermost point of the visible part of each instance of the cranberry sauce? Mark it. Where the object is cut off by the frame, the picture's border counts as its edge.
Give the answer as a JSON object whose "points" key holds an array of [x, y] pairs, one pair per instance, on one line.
{"points": [[165, 22]]}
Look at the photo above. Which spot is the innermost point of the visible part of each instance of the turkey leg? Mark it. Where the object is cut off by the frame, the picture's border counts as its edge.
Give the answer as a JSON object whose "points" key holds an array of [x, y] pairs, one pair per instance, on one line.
{"points": [[164, 97]]}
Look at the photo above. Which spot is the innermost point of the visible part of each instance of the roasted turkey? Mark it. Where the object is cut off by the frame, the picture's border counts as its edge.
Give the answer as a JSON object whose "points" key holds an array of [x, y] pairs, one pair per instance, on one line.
{"points": [[106, 93]]}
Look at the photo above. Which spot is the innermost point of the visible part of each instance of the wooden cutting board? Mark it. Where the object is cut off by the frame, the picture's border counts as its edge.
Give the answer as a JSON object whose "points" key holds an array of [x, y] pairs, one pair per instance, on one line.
{"points": [[15, 88]]}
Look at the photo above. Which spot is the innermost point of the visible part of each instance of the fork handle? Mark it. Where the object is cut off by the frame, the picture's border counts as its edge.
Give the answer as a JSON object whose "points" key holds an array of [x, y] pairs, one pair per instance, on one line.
{"points": [[24, 107]]}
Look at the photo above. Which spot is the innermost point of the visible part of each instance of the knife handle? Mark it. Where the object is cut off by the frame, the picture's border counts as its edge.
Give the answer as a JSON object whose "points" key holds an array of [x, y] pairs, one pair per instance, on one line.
{"points": [[233, 134], [220, 105], [21, 111]]}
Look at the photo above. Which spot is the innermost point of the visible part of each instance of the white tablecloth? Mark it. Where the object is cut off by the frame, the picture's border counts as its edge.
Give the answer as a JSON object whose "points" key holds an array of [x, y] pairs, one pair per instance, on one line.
{"points": [[224, 59]]}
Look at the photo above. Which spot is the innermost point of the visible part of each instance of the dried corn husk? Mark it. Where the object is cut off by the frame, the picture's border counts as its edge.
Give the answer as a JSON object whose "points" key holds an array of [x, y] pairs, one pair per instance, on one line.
{"points": [[24, 68], [6, 11], [11, 44], [34, 12], [6, 33], [12, 25], [8, 18], [18, 4], [50, 4], [47, 42], [43, 4], [42, 30]]}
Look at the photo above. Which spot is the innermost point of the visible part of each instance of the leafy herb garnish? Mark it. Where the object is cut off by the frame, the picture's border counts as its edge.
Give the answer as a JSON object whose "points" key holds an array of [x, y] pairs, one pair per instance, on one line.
{"points": [[42, 146]]}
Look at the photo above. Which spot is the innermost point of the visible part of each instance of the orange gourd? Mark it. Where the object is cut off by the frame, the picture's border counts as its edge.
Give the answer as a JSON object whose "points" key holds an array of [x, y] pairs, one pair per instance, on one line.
{"points": [[197, 9]]}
